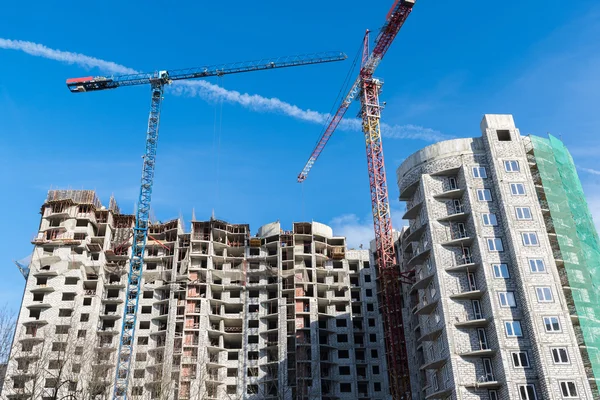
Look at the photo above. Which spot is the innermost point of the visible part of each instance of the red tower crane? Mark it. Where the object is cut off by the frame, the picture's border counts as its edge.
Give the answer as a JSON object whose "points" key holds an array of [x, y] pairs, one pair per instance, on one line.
{"points": [[368, 88]]}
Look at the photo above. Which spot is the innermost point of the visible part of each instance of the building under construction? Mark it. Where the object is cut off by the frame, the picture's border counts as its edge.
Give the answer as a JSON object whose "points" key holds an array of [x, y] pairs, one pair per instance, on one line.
{"points": [[222, 314], [505, 301]]}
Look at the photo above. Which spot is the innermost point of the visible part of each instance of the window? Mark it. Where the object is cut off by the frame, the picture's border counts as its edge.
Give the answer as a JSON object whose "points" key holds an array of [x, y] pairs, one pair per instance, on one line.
{"points": [[344, 370], [503, 135], [484, 195], [343, 354], [139, 373], [374, 353], [84, 318], [523, 213], [436, 385], [479, 172], [252, 339], [87, 301], [520, 359], [530, 239], [252, 389], [487, 368], [568, 389], [445, 373], [146, 309], [536, 265], [70, 280], [369, 292], [81, 334], [62, 329], [517, 189], [560, 355], [493, 395], [476, 309], [544, 294], [371, 322], [500, 271], [367, 278], [513, 328], [377, 386], [452, 183], [345, 387], [507, 299], [373, 337], [482, 337], [511, 166], [495, 244], [527, 392], [370, 307], [68, 296], [376, 369], [552, 324], [340, 323], [231, 372], [489, 219], [342, 338]]}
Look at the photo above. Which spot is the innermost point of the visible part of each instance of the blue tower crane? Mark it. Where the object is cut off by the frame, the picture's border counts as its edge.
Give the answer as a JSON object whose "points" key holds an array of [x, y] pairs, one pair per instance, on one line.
{"points": [[157, 82]]}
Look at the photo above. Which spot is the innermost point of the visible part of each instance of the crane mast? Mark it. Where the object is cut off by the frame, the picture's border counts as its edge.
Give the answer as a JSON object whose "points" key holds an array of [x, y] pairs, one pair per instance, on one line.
{"points": [[367, 89], [157, 82]]}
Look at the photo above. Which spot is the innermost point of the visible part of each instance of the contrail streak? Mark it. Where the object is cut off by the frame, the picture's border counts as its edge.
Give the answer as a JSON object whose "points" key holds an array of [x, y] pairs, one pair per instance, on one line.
{"points": [[211, 92], [40, 50]]}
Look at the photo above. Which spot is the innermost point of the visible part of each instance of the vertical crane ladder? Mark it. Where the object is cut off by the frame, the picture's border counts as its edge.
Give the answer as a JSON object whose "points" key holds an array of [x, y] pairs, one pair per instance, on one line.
{"points": [[140, 235]]}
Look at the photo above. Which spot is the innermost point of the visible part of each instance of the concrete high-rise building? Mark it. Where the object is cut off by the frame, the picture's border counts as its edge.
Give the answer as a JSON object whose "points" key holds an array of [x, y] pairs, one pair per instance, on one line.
{"points": [[506, 260], [222, 314]]}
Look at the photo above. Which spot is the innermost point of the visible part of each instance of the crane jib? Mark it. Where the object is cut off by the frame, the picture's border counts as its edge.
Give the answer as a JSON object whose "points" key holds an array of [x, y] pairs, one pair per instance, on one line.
{"points": [[91, 83]]}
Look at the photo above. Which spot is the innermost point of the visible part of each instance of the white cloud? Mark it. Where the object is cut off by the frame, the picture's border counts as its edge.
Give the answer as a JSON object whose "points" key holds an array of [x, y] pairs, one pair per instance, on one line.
{"points": [[589, 170], [357, 231], [211, 92], [360, 230], [40, 50]]}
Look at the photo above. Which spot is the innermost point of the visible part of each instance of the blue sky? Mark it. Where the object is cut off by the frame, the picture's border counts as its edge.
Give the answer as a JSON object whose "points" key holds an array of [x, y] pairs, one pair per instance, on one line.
{"points": [[537, 60]]}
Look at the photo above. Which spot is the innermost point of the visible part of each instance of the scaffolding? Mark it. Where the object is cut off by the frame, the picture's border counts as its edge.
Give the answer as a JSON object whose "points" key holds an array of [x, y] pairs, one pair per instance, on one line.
{"points": [[574, 239], [77, 196]]}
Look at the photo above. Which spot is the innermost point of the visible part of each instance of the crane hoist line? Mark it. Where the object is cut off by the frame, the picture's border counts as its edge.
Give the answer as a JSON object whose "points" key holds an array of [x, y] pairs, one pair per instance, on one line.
{"points": [[157, 81], [367, 89]]}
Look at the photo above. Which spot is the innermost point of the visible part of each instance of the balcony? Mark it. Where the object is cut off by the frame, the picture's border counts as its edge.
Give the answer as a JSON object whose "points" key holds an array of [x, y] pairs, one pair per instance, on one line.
{"points": [[422, 282], [449, 194], [427, 307], [463, 264], [483, 352], [412, 210], [458, 239], [467, 294], [415, 235], [432, 335], [456, 214], [440, 394], [484, 382], [435, 364], [421, 255]]}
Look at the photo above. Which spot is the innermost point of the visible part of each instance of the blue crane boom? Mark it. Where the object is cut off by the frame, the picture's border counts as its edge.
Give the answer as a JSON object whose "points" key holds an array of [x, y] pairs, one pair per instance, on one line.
{"points": [[157, 81], [92, 83]]}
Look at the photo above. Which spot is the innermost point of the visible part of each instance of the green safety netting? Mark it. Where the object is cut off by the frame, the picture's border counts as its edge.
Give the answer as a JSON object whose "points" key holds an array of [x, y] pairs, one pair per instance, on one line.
{"points": [[577, 240]]}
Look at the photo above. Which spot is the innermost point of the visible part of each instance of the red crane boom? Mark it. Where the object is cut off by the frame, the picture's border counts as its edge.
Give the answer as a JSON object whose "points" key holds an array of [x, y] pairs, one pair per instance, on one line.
{"points": [[367, 89]]}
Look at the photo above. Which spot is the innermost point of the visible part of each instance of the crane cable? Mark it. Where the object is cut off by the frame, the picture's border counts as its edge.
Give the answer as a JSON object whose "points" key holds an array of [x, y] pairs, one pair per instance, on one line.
{"points": [[217, 144], [344, 89]]}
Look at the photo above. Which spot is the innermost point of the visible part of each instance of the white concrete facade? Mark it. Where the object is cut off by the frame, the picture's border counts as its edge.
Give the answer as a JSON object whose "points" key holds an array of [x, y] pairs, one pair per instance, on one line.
{"points": [[486, 317], [222, 314]]}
